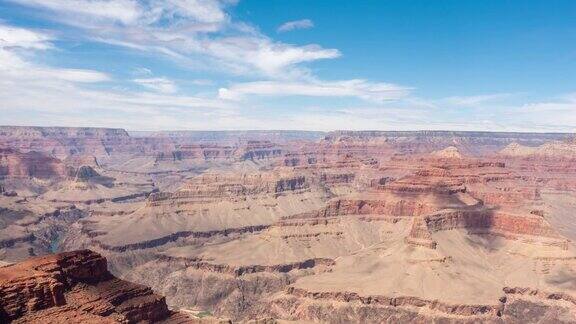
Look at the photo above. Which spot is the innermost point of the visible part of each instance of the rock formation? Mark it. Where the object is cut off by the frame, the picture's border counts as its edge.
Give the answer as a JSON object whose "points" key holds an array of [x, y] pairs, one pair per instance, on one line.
{"points": [[553, 150], [76, 287], [15, 164]]}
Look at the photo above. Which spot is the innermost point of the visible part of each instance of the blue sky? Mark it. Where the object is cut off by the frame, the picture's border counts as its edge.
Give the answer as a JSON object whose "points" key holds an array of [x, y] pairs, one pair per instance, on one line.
{"points": [[292, 64]]}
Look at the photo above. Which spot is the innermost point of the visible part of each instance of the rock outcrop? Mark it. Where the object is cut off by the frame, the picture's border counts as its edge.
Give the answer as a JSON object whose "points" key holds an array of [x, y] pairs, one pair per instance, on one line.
{"points": [[85, 173], [450, 152], [76, 287], [15, 164], [212, 186]]}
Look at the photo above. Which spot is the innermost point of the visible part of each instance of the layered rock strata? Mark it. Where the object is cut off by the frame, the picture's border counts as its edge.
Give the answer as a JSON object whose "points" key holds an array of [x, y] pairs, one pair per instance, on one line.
{"points": [[76, 287]]}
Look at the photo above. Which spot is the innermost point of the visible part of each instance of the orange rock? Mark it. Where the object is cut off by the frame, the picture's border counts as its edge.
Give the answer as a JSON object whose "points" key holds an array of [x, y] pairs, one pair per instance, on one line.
{"points": [[75, 287]]}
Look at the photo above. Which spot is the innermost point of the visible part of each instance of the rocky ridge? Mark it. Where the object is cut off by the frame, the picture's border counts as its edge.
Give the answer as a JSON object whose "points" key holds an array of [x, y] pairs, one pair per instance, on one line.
{"points": [[76, 287]]}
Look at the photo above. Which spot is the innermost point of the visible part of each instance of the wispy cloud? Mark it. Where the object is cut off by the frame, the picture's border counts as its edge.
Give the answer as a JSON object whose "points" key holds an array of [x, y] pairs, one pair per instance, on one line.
{"points": [[376, 92], [162, 85], [296, 24], [16, 42], [14, 38], [131, 12], [470, 101], [195, 32], [202, 82], [272, 59], [35, 93], [141, 72], [123, 11]]}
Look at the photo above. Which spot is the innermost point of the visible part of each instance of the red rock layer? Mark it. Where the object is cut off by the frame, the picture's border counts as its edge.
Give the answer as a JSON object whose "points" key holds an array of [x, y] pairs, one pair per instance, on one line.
{"points": [[211, 187], [194, 263], [15, 164], [400, 301], [483, 221], [516, 305], [74, 287], [366, 207], [173, 237]]}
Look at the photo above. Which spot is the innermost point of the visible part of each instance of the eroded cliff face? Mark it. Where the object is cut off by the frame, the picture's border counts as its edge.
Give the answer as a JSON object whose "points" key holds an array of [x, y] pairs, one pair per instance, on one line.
{"points": [[61, 142], [15, 164], [232, 186], [110, 145], [76, 287], [356, 227]]}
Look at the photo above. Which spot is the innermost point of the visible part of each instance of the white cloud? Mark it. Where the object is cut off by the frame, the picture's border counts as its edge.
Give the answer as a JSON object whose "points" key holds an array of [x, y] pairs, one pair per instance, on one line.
{"points": [[77, 75], [13, 37], [206, 11], [141, 72], [14, 69], [195, 32], [34, 93], [376, 92], [471, 101], [296, 24], [268, 57], [202, 82], [123, 11], [162, 85], [16, 41]]}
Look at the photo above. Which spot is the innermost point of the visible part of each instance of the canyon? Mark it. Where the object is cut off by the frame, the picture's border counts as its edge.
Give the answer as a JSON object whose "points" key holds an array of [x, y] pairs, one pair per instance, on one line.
{"points": [[275, 226]]}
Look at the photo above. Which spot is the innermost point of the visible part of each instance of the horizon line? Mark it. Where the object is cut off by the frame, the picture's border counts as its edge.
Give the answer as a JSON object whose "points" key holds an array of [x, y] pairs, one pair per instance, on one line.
{"points": [[295, 130]]}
